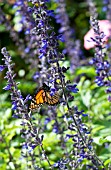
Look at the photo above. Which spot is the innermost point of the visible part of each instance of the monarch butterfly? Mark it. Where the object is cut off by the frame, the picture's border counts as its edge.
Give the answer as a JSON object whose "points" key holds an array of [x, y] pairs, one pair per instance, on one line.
{"points": [[43, 96]]}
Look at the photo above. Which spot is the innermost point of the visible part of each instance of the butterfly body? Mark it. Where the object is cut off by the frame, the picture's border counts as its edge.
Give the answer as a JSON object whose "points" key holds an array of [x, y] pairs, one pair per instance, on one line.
{"points": [[43, 96]]}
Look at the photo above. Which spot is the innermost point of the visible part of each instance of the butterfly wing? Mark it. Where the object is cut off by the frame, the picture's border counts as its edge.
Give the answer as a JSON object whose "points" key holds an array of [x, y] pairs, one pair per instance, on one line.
{"points": [[37, 100], [43, 96], [51, 100]]}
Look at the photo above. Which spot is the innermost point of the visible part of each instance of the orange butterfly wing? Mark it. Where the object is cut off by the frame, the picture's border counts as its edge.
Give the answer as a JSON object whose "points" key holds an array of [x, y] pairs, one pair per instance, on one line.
{"points": [[43, 96], [39, 97], [37, 100]]}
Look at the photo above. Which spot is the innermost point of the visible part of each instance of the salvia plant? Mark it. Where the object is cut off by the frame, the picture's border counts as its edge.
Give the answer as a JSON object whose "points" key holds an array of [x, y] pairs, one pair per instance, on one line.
{"points": [[100, 61], [72, 46], [72, 134]]}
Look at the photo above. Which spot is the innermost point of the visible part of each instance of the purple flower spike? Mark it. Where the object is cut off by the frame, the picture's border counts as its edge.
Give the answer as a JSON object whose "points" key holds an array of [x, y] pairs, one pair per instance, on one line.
{"points": [[8, 87], [73, 88], [2, 67]]}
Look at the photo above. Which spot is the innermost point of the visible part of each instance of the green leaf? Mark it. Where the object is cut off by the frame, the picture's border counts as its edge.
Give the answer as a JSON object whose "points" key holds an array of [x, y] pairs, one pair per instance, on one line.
{"points": [[107, 162]]}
